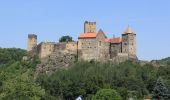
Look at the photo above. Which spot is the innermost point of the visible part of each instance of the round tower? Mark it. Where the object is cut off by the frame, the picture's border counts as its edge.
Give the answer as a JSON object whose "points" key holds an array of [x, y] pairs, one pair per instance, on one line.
{"points": [[32, 42], [129, 42]]}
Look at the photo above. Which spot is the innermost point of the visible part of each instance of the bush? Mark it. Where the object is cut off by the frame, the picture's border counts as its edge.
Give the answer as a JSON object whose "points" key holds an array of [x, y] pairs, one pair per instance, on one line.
{"points": [[107, 94]]}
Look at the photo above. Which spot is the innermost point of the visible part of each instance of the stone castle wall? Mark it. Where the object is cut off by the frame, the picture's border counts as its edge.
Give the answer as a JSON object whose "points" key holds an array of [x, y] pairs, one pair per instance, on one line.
{"points": [[44, 49], [72, 46], [91, 46], [87, 49], [115, 48]]}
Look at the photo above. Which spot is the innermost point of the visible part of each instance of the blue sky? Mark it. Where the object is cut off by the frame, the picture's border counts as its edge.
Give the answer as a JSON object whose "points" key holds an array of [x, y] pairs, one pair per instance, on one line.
{"points": [[50, 19]]}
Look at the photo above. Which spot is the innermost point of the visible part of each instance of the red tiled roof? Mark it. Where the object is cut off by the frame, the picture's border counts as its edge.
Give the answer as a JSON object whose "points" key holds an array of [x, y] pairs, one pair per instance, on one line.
{"points": [[87, 35], [107, 40], [114, 40]]}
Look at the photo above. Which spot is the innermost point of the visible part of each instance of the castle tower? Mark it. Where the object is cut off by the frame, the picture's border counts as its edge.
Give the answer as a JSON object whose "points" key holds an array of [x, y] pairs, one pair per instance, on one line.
{"points": [[32, 42], [89, 27], [129, 42]]}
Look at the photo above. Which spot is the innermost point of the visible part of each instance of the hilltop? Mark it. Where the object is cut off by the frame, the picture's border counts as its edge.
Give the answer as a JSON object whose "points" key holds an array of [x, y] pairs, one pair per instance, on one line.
{"points": [[19, 79]]}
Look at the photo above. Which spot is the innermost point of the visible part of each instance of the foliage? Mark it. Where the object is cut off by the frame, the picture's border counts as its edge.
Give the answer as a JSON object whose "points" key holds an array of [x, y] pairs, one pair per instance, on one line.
{"points": [[129, 79], [17, 76], [18, 79], [9, 55], [106, 94], [22, 87], [86, 78], [160, 91], [164, 61], [66, 39]]}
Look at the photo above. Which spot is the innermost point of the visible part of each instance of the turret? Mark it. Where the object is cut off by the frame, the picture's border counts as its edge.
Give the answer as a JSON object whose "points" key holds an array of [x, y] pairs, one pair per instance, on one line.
{"points": [[89, 27], [32, 43], [129, 42]]}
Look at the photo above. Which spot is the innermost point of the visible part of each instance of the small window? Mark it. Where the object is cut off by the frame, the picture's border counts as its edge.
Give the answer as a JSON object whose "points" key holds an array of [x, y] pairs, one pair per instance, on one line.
{"points": [[100, 43]]}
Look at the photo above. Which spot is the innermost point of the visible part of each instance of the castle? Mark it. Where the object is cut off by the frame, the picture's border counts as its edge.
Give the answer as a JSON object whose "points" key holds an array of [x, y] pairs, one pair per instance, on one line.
{"points": [[91, 45]]}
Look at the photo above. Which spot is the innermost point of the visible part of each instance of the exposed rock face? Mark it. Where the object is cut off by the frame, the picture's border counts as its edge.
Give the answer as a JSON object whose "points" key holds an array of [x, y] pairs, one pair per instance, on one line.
{"points": [[62, 59], [58, 60]]}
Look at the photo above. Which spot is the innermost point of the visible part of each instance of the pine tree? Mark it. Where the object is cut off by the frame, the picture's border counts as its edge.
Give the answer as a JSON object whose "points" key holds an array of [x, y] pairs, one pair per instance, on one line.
{"points": [[160, 91]]}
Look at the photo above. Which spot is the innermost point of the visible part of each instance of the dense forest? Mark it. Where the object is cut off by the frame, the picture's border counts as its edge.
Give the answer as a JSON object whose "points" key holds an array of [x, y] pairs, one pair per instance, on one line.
{"points": [[90, 80]]}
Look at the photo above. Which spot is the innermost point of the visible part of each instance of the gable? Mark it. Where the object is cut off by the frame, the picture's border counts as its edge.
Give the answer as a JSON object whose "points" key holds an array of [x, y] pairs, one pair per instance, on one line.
{"points": [[101, 35]]}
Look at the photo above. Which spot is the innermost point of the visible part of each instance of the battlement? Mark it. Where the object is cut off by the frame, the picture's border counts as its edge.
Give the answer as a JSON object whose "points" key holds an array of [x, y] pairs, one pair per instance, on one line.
{"points": [[90, 23], [91, 45], [89, 27], [32, 36]]}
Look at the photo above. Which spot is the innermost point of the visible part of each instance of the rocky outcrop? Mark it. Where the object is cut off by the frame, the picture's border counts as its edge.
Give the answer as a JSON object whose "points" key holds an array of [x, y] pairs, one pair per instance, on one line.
{"points": [[58, 60]]}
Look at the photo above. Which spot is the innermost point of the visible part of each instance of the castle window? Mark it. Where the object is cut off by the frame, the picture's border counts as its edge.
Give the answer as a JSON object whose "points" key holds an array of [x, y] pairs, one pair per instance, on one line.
{"points": [[100, 43]]}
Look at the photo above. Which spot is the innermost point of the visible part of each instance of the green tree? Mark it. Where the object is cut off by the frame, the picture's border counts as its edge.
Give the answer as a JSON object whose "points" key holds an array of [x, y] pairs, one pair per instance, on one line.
{"points": [[107, 94], [160, 91], [18, 76], [10, 55], [22, 87], [66, 39]]}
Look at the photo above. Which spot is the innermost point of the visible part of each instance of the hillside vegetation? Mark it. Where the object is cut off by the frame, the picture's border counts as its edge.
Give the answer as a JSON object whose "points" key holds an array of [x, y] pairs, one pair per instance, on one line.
{"points": [[84, 78], [164, 61], [19, 81]]}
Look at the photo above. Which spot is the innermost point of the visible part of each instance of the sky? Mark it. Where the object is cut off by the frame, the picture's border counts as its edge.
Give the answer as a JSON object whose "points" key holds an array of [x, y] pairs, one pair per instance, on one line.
{"points": [[51, 19]]}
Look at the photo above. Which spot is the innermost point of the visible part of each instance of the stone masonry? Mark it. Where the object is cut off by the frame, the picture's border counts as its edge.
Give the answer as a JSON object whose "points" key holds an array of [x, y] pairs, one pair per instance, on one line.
{"points": [[91, 45]]}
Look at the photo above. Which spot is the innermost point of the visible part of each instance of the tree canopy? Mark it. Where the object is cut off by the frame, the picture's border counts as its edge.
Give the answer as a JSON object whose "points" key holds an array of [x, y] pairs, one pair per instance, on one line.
{"points": [[106, 94], [66, 38], [18, 79], [86, 78], [17, 76], [160, 92], [8, 55]]}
